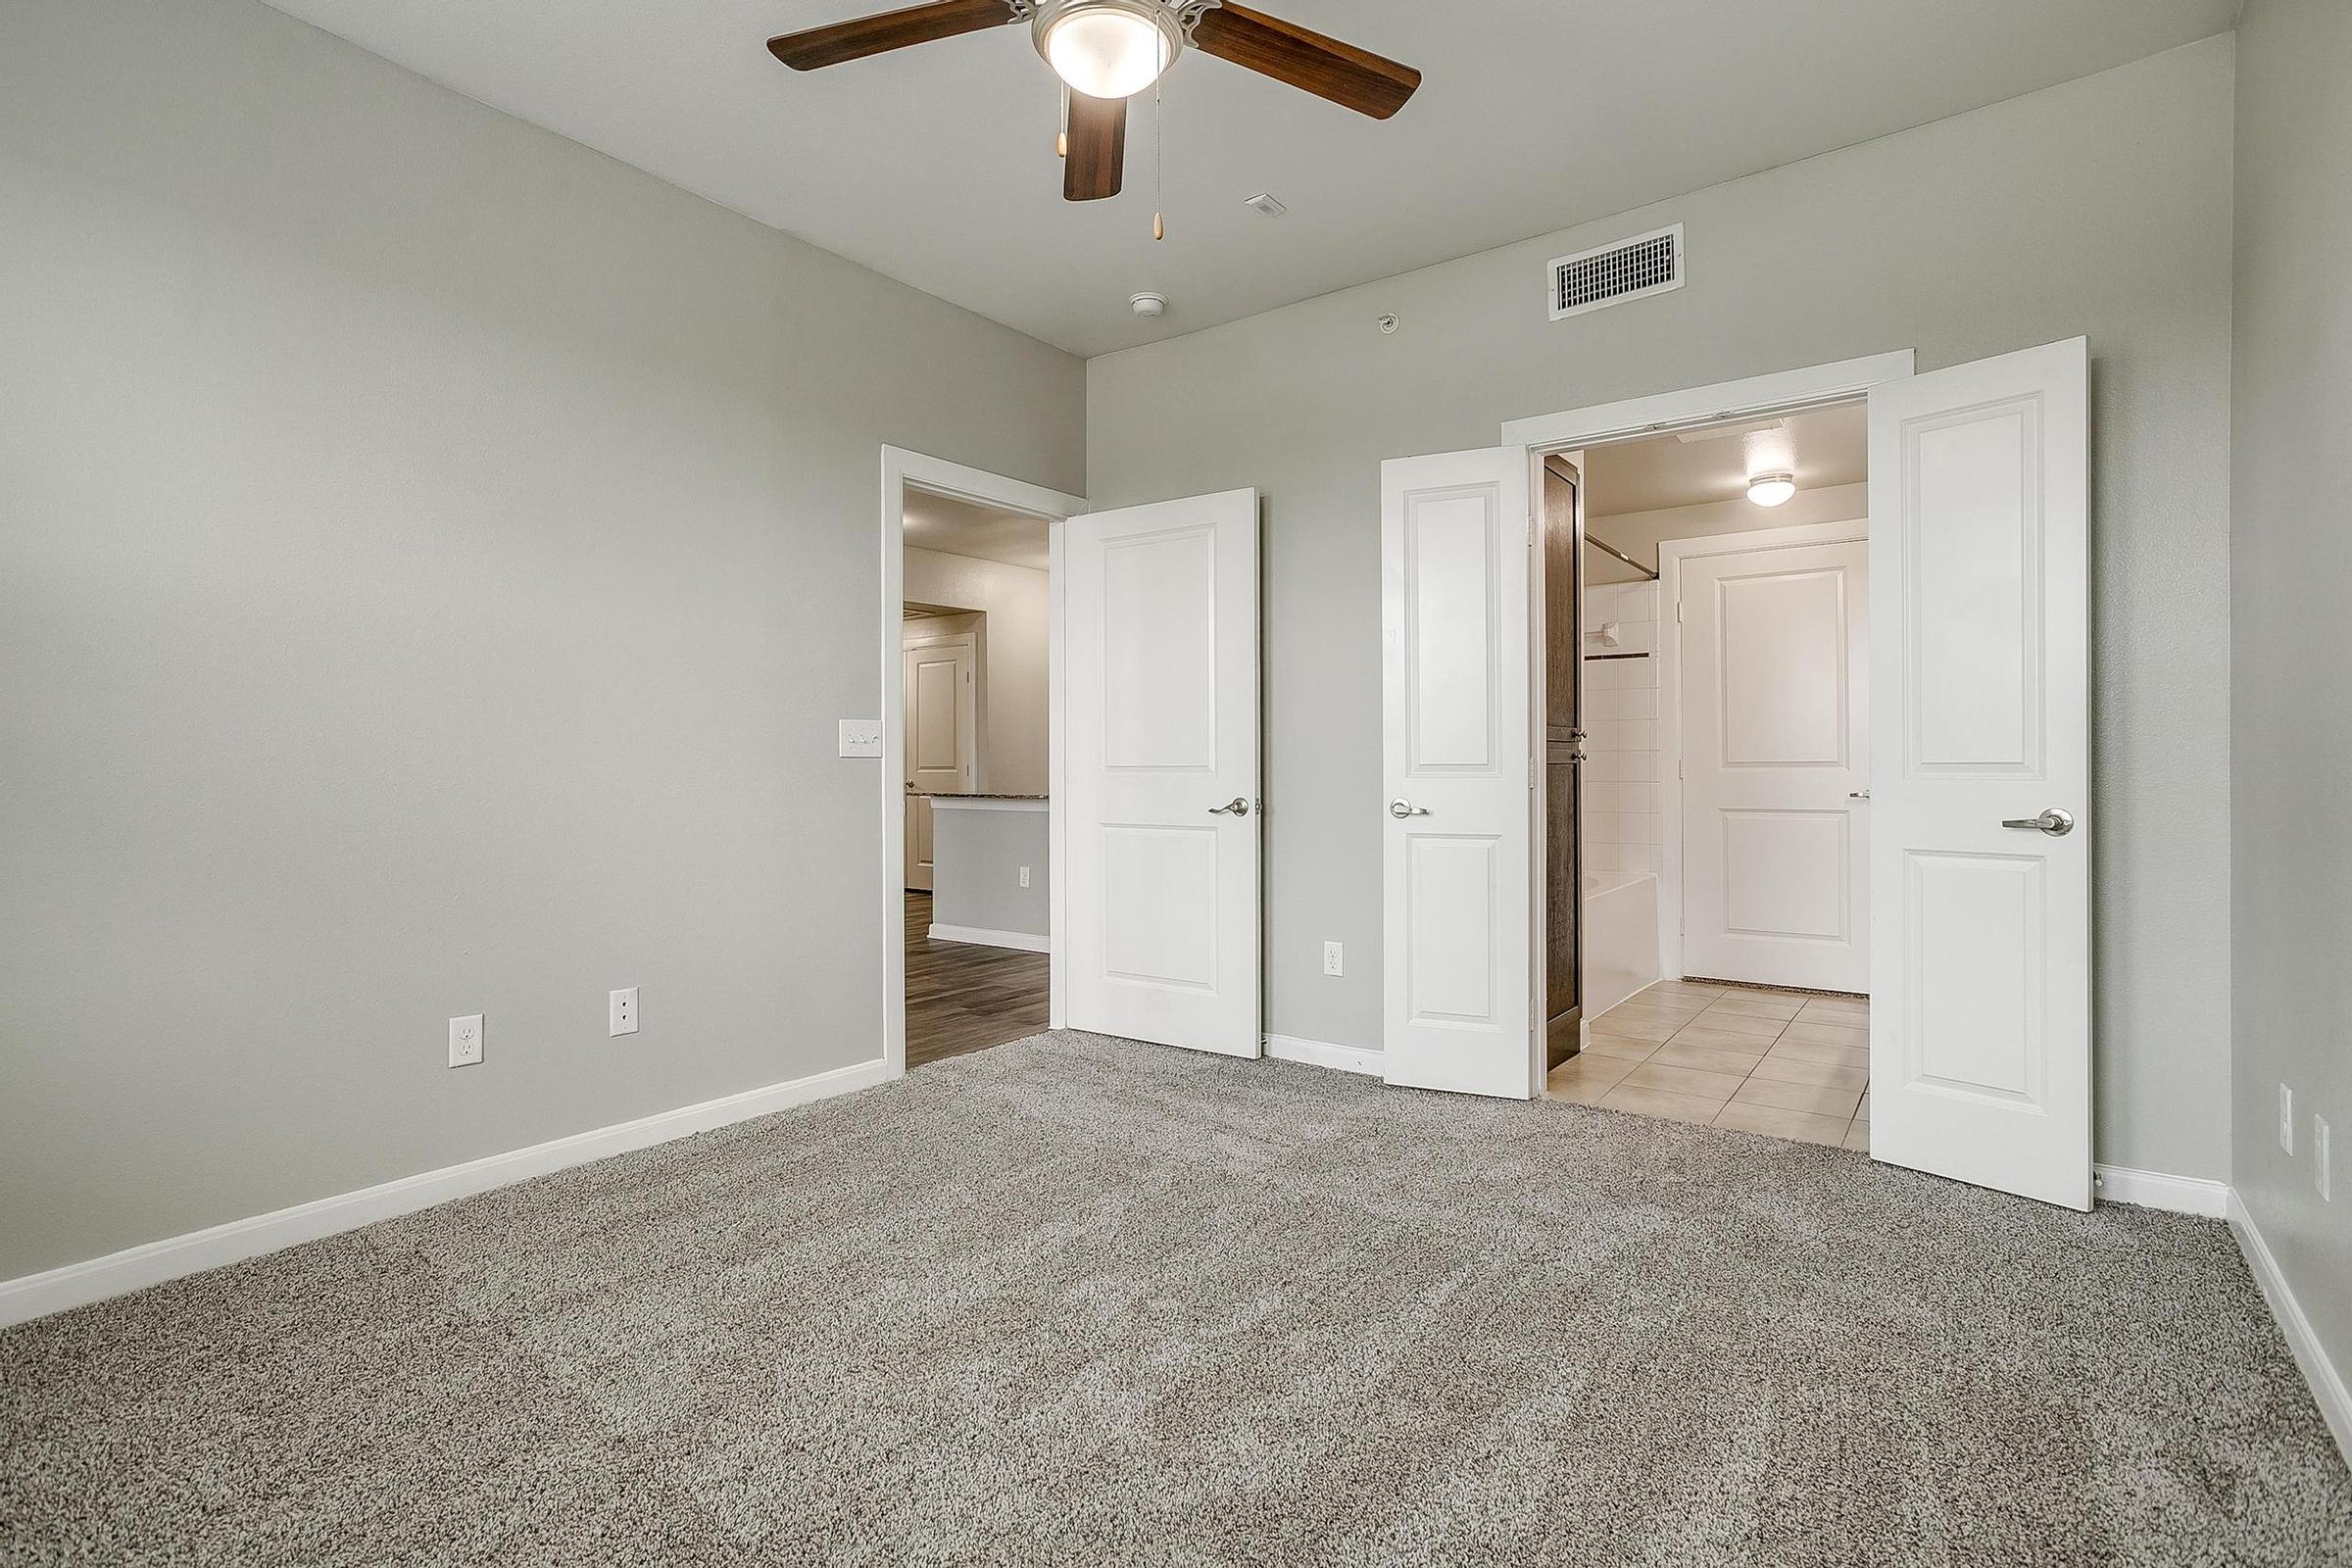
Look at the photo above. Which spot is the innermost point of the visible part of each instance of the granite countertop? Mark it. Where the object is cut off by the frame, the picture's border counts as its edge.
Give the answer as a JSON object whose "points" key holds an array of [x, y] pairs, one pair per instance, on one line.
{"points": [[972, 794]]}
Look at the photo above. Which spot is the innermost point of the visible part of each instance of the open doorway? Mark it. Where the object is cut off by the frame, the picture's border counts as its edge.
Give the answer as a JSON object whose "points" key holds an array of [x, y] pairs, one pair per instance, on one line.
{"points": [[1723, 635], [968, 756], [975, 654]]}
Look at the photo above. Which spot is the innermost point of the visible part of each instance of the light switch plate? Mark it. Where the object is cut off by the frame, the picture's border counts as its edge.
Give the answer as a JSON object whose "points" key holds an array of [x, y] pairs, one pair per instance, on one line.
{"points": [[2286, 1118], [2321, 1176], [466, 1041], [861, 737]]}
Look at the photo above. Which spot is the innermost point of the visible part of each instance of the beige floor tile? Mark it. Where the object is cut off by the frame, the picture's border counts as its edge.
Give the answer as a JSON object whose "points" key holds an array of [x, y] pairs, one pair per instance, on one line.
{"points": [[1629, 1026], [1825, 1034], [1779, 1123], [1660, 1103], [1683, 989], [1588, 1068], [1737, 1023], [1818, 1099], [1782, 1070], [1578, 1091], [1852, 1015], [1643, 1007], [1857, 1137], [1705, 1058], [1789, 1049], [1756, 1004], [1715, 1086], [1603, 1043]]}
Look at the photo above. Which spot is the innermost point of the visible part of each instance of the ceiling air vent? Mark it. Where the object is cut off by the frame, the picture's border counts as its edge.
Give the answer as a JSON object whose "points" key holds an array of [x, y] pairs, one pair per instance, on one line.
{"points": [[1647, 263]]}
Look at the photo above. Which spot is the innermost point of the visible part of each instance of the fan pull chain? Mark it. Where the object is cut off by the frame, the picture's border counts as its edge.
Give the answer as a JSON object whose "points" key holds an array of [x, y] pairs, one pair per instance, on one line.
{"points": [[1061, 142], [1159, 117]]}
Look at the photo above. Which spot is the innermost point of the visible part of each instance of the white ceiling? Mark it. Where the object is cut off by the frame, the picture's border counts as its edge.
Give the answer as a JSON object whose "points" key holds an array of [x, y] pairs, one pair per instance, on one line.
{"points": [[1821, 447], [955, 527], [935, 164]]}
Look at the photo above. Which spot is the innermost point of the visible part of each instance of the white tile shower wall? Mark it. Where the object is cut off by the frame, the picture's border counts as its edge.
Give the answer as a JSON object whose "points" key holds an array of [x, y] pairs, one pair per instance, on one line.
{"points": [[1621, 729]]}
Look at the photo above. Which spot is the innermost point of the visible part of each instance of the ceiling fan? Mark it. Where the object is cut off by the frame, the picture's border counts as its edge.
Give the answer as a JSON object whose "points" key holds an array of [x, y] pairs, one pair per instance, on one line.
{"points": [[1108, 50]]}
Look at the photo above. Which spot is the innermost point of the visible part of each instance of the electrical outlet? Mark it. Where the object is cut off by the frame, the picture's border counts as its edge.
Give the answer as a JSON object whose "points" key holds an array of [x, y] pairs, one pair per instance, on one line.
{"points": [[1331, 957], [2286, 1118], [2319, 1159], [623, 1011], [1024, 876], [466, 1041]]}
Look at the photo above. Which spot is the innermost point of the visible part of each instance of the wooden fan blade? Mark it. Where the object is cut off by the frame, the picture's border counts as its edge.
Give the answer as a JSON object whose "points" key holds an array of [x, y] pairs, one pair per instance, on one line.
{"points": [[1353, 78], [892, 30], [1097, 165]]}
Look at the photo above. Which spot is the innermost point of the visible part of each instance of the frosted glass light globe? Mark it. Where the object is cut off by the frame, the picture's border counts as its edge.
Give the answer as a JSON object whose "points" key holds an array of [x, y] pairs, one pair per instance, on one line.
{"points": [[1107, 51]]}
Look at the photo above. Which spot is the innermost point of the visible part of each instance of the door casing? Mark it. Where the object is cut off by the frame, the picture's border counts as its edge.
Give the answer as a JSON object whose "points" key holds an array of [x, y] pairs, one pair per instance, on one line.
{"points": [[902, 470], [1575, 429]]}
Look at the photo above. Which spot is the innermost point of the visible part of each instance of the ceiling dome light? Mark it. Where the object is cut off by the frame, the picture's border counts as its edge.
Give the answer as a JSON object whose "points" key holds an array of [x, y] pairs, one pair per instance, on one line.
{"points": [[1771, 489], [1109, 48]]}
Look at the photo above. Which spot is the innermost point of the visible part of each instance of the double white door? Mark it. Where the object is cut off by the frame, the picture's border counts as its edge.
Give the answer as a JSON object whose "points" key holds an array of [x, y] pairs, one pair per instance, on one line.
{"points": [[1978, 858]]}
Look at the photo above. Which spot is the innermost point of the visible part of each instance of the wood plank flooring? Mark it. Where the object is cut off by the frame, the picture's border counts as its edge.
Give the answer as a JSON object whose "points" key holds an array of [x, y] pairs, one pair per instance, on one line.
{"points": [[960, 997]]}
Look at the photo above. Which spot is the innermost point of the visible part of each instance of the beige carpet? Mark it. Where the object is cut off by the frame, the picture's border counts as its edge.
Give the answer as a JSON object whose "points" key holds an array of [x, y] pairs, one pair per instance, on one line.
{"points": [[1074, 1301]]}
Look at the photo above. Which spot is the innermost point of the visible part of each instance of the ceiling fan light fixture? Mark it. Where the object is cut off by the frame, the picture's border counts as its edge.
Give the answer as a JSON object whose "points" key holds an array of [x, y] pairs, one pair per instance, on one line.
{"points": [[1109, 48], [1771, 489]]}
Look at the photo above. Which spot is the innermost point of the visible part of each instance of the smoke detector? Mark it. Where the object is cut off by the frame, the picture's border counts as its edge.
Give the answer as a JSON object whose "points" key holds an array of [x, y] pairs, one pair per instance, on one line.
{"points": [[1265, 202], [1148, 304]]}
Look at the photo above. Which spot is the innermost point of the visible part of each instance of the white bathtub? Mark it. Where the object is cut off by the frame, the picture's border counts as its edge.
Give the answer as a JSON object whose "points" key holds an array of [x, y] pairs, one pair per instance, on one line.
{"points": [[1621, 938]]}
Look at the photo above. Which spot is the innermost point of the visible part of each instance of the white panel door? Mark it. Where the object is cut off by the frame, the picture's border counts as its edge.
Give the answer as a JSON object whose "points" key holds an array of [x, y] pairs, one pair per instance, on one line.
{"points": [[941, 709], [1161, 709], [1457, 775], [1981, 1047], [1776, 756]]}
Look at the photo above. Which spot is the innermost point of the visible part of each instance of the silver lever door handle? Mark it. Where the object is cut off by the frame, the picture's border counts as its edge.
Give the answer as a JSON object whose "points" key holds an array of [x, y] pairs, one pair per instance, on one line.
{"points": [[1237, 807], [1406, 808], [2057, 822]]}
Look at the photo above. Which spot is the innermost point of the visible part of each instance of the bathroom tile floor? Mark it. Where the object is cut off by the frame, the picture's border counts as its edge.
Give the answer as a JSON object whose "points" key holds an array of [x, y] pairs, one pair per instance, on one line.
{"points": [[1780, 1062]]}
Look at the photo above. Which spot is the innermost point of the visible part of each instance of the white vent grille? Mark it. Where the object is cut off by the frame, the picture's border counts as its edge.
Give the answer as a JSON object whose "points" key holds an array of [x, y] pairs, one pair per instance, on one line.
{"points": [[1647, 263]]}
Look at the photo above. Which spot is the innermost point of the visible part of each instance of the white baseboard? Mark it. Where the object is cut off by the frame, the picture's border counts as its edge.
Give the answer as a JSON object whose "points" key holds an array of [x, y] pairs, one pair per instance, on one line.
{"points": [[2150, 1189], [2326, 1384], [982, 937], [136, 1268], [1319, 1053]]}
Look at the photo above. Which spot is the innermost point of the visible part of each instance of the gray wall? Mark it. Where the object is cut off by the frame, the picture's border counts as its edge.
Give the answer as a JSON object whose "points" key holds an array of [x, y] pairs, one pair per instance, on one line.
{"points": [[432, 560], [978, 855], [2098, 208], [2290, 578], [1016, 645]]}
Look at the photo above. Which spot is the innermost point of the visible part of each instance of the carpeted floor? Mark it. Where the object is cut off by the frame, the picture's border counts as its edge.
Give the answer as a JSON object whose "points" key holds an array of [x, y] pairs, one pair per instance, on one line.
{"points": [[1075, 1301]]}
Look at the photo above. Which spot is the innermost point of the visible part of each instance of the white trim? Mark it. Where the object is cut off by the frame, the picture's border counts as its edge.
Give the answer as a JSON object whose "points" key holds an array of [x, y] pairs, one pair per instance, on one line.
{"points": [[1672, 554], [1707, 405], [1599, 423], [1058, 856], [1322, 1054], [982, 937], [137, 1267], [2326, 1384], [986, 803], [900, 468], [2153, 1188]]}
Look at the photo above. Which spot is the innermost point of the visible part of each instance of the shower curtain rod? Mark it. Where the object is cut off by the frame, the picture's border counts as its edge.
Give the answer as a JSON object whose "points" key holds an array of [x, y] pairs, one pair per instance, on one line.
{"points": [[1607, 548]]}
